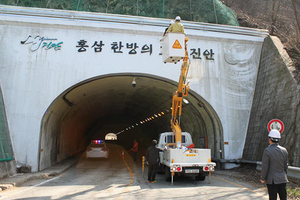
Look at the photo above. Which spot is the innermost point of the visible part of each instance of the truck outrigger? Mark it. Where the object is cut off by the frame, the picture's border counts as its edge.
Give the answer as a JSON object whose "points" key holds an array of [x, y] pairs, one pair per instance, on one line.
{"points": [[179, 157]]}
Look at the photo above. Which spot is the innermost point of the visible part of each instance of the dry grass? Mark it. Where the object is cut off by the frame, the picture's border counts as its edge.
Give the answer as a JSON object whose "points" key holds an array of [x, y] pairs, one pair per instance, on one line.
{"points": [[258, 14]]}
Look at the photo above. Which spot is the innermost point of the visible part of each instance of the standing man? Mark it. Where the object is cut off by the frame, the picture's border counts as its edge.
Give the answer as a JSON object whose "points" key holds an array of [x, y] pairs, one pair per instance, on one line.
{"points": [[152, 157], [176, 27], [135, 149], [274, 167]]}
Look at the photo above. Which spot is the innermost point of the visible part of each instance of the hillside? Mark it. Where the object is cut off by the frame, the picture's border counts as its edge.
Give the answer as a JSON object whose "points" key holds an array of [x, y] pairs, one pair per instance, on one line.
{"points": [[280, 17]]}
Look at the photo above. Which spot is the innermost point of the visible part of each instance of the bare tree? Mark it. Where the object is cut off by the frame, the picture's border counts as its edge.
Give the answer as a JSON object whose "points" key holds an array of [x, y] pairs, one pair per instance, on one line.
{"points": [[107, 4], [296, 15], [275, 9]]}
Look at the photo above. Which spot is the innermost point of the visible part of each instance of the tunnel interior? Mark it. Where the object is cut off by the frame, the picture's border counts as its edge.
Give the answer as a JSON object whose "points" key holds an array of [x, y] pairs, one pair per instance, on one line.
{"points": [[110, 104]]}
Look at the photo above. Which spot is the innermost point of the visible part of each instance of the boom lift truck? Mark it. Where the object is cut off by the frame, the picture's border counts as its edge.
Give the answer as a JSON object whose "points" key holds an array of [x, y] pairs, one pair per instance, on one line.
{"points": [[179, 157]]}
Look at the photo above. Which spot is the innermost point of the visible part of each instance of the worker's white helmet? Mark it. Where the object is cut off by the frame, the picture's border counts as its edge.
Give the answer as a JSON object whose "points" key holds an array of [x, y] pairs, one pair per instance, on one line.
{"points": [[177, 18], [274, 134]]}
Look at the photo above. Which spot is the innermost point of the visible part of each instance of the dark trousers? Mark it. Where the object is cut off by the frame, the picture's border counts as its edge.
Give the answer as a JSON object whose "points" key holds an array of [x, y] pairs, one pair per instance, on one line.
{"points": [[273, 189], [134, 156], [152, 169]]}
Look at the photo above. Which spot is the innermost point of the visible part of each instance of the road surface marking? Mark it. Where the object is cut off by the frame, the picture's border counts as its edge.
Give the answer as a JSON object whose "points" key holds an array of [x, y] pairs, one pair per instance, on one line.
{"points": [[131, 177], [29, 188], [236, 184]]}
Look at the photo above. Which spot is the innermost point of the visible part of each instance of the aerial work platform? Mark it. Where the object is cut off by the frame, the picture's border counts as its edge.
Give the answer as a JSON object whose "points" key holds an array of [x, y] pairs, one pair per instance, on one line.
{"points": [[173, 48]]}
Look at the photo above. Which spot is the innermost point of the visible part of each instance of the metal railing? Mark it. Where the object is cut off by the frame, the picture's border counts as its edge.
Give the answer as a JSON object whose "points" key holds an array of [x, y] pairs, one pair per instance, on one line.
{"points": [[127, 19], [292, 171]]}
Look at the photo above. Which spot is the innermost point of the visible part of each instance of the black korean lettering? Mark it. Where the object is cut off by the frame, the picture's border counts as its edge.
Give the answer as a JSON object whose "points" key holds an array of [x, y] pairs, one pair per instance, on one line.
{"points": [[82, 44], [98, 47], [133, 47], [117, 47], [208, 54], [147, 49], [196, 53]]}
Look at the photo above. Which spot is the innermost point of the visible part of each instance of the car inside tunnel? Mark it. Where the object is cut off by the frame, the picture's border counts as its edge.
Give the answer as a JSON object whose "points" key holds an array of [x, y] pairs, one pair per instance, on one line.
{"points": [[112, 104]]}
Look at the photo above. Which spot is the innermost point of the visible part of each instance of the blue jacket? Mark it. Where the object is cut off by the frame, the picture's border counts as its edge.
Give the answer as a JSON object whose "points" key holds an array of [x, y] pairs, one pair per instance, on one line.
{"points": [[274, 164]]}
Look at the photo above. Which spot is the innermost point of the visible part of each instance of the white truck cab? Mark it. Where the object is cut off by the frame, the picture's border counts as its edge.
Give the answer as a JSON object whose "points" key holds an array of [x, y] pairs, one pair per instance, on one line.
{"points": [[183, 161], [167, 139]]}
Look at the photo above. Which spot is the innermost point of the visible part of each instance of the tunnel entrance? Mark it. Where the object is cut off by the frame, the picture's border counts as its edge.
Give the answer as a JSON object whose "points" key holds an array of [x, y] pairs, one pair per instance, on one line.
{"points": [[111, 136], [110, 104]]}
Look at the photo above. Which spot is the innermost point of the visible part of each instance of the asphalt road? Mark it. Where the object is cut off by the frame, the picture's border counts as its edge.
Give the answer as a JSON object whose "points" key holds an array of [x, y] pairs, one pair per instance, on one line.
{"points": [[117, 178]]}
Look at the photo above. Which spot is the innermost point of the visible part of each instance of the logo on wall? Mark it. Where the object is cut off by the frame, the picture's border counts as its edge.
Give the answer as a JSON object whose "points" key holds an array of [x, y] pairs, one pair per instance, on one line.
{"points": [[42, 42]]}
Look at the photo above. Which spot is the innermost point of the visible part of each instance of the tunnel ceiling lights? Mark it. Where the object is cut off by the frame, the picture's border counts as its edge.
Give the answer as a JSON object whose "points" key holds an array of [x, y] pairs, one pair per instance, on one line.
{"points": [[185, 101], [133, 82], [160, 114]]}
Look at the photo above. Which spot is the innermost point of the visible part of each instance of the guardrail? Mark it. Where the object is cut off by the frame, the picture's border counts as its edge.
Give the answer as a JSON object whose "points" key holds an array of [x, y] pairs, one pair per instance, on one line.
{"points": [[79, 15], [292, 171]]}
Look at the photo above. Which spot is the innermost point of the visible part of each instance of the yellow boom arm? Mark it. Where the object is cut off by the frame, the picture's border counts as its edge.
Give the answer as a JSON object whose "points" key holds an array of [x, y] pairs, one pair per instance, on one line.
{"points": [[181, 92]]}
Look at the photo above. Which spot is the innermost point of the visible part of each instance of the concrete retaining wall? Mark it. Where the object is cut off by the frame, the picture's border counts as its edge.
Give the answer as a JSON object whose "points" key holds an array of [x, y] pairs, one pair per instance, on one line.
{"points": [[277, 96], [7, 168]]}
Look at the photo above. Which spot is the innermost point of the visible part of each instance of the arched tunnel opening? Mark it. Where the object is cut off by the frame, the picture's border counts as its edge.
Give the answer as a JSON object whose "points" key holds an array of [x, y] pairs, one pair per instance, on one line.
{"points": [[110, 104]]}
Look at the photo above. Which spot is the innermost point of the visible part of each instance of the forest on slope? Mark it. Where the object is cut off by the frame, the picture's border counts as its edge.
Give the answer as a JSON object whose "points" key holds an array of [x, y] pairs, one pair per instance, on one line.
{"points": [[279, 17]]}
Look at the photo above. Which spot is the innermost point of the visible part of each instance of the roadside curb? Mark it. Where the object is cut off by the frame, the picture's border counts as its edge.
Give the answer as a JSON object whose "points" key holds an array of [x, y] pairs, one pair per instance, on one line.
{"points": [[20, 178]]}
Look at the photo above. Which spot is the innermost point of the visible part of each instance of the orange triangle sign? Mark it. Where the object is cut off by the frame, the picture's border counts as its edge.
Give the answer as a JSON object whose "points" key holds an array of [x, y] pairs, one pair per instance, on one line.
{"points": [[177, 45]]}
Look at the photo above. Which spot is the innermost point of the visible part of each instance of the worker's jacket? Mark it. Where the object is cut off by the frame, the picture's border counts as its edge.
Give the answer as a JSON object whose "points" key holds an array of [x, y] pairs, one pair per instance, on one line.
{"points": [[135, 147], [274, 164], [177, 27], [152, 155]]}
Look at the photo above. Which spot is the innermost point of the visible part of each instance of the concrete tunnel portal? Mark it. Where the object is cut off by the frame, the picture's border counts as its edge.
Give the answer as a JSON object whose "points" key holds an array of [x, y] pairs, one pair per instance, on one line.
{"points": [[110, 104]]}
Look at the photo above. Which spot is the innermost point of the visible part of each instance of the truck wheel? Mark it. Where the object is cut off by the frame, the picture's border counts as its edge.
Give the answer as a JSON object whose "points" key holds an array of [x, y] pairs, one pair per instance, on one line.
{"points": [[160, 169], [200, 178], [167, 174]]}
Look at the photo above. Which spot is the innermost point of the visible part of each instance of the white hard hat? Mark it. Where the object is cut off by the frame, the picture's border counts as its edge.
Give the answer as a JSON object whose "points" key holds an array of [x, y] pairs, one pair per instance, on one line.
{"points": [[177, 18], [274, 134]]}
